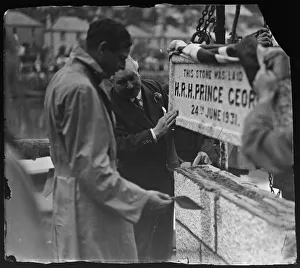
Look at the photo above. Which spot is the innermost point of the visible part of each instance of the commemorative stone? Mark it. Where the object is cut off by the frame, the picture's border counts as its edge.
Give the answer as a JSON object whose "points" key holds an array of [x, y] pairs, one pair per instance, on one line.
{"points": [[212, 99]]}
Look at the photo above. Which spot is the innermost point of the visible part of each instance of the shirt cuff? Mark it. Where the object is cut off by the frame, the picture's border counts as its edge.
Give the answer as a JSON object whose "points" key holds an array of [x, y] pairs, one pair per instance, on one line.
{"points": [[153, 135]]}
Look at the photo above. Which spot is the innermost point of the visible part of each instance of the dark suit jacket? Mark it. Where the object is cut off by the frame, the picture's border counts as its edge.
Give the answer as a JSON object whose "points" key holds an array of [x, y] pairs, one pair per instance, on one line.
{"points": [[140, 159]]}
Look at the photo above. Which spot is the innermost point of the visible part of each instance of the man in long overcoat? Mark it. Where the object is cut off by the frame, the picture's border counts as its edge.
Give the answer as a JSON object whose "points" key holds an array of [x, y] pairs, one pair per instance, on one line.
{"points": [[94, 207], [145, 151]]}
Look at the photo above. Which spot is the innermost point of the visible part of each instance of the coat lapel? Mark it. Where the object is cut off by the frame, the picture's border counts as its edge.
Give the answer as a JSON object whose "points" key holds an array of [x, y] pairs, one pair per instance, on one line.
{"points": [[129, 110], [152, 108]]}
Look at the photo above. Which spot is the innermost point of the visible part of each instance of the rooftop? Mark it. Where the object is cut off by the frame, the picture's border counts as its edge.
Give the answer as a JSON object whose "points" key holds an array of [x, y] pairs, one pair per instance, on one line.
{"points": [[68, 23], [19, 18], [137, 32], [170, 32]]}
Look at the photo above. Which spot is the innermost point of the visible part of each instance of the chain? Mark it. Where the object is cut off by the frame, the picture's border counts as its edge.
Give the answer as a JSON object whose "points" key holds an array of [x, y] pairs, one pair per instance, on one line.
{"points": [[209, 19], [201, 20], [201, 32], [271, 184]]}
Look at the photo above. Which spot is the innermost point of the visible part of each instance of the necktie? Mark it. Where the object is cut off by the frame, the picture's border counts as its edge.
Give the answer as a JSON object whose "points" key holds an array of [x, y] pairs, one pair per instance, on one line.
{"points": [[138, 102]]}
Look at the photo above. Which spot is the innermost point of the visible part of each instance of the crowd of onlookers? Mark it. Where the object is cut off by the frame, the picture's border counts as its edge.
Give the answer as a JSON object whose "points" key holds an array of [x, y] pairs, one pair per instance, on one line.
{"points": [[37, 65], [39, 60]]}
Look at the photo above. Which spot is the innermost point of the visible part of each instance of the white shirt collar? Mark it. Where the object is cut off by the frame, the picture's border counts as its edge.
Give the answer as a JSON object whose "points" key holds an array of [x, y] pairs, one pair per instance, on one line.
{"points": [[139, 96]]}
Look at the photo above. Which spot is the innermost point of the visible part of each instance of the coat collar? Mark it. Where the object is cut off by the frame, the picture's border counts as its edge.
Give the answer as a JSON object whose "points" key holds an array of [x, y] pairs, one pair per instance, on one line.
{"points": [[78, 53]]}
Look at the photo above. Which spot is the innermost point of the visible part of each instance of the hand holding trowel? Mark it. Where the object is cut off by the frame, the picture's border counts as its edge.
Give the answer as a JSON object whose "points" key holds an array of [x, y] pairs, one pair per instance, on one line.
{"points": [[186, 202]]}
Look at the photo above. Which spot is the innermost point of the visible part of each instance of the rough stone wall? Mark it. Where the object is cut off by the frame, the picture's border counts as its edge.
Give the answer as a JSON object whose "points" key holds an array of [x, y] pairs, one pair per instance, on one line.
{"points": [[33, 148], [240, 224]]}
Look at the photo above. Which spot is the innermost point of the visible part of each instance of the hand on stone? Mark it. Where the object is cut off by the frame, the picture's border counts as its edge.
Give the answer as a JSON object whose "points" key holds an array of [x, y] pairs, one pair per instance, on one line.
{"points": [[165, 123]]}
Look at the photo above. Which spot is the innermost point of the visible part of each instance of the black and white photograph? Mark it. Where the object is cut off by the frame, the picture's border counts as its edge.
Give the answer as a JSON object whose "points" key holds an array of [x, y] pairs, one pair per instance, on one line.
{"points": [[156, 134]]}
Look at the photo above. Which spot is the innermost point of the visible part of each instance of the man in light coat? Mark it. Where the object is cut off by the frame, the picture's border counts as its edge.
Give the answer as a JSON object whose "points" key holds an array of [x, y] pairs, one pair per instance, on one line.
{"points": [[94, 207]]}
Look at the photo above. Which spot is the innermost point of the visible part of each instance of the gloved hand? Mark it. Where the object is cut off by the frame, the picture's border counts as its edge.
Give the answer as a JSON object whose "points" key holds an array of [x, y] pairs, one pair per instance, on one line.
{"points": [[202, 159], [264, 37], [158, 203]]}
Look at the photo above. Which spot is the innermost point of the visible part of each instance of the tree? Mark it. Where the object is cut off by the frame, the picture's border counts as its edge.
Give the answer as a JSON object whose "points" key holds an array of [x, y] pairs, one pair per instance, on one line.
{"points": [[139, 51]]}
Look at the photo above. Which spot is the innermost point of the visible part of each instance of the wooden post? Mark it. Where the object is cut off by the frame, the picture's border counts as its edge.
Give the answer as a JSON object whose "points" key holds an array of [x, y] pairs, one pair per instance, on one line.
{"points": [[220, 39], [235, 21], [223, 155], [220, 24]]}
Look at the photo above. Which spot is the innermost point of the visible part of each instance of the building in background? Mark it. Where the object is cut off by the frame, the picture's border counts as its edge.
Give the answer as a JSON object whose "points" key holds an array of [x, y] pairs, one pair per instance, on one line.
{"points": [[163, 35], [150, 37], [64, 32], [28, 30], [138, 34], [248, 21]]}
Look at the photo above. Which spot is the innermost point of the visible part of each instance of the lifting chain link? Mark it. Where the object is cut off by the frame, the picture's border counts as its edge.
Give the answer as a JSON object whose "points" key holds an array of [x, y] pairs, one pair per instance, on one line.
{"points": [[271, 184], [201, 20], [202, 33]]}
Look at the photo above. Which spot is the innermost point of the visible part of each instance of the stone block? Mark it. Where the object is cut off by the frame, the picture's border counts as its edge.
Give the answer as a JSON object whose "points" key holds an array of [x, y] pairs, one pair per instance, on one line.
{"points": [[289, 250], [188, 247], [246, 239], [241, 224], [207, 216], [200, 222], [210, 257]]}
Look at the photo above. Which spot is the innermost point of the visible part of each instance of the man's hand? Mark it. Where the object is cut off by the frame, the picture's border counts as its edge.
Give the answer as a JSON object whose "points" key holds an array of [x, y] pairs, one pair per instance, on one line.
{"points": [[157, 204], [264, 38], [164, 124]]}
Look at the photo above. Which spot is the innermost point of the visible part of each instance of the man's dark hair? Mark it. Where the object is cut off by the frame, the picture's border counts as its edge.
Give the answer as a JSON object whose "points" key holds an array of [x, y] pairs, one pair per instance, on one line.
{"points": [[111, 31]]}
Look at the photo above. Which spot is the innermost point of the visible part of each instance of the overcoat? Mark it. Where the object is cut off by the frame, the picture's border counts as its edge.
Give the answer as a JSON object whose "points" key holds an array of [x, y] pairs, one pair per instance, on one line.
{"points": [[94, 208]]}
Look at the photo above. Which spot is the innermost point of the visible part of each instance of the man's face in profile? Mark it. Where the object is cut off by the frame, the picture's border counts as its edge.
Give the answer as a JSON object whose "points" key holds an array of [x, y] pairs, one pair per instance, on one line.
{"points": [[114, 61], [127, 82]]}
